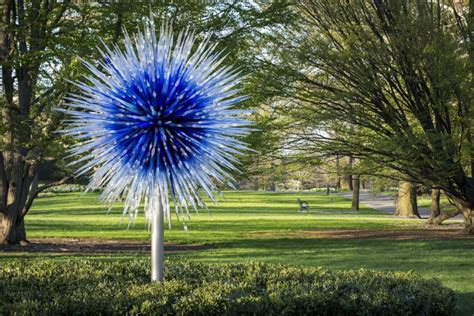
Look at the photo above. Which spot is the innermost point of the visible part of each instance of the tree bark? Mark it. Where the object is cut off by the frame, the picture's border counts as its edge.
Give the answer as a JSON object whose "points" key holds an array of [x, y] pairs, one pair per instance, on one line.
{"points": [[466, 209], [464, 203], [406, 200], [435, 206], [21, 186], [12, 229], [271, 180], [355, 191], [442, 217], [346, 183]]}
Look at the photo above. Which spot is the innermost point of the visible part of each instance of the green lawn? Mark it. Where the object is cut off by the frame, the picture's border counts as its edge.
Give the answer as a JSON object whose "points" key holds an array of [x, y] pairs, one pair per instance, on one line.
{"points": [[266, 227], [240, 216]]}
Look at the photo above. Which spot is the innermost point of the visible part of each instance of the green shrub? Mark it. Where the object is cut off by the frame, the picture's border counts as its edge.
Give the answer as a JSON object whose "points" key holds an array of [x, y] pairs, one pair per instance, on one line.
{"points": [[44, 287]]}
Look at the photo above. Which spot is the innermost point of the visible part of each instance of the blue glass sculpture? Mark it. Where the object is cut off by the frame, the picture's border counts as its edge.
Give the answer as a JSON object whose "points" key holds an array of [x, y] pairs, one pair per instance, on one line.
{"points": [[157, 120]]}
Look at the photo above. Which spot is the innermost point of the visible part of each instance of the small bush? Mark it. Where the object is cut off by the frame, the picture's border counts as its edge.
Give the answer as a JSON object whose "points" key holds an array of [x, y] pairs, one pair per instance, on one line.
{"points": [[45, 287]]}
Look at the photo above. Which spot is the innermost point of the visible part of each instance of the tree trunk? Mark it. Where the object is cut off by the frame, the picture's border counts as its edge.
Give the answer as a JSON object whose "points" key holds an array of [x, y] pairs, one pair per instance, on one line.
{"points": [[406, 200], [338, 174], [467, 213], [355, 191], [346, 181], [12, 230], [435, 206], [271, 180], [467, 210], [21, 192], [12, 224], [464, 206], [344, 184], [349, 176], [442, 217]]}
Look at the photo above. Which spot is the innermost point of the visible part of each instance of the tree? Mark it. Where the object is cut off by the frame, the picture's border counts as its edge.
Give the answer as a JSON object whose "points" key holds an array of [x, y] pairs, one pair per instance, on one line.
{"points": [[435, 205], [27, 33], [346, 182], [389, 81], [39, 49], [406, 204], [355, 191]]}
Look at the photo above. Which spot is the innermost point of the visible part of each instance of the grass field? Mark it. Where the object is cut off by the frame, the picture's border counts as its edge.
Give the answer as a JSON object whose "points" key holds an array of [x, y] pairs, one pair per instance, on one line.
{"points": [[267, 227]]}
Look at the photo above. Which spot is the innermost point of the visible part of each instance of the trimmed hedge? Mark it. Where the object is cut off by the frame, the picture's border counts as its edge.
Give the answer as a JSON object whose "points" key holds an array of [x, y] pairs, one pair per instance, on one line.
{"points": [[44, 287]]}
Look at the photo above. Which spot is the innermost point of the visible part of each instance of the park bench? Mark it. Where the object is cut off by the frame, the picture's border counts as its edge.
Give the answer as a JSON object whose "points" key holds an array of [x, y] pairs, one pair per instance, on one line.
{"points": [[304, 206]]}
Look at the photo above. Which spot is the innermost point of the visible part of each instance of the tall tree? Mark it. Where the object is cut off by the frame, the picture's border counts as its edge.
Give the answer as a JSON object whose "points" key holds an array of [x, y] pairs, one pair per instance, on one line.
{"points": [[27, 31], [39, 49], [398, 71]]}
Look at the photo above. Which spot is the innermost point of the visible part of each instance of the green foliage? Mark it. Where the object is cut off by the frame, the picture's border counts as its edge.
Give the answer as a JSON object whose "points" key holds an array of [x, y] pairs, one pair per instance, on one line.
{"points": [[387, 81], [71, 32], [92, 287]]}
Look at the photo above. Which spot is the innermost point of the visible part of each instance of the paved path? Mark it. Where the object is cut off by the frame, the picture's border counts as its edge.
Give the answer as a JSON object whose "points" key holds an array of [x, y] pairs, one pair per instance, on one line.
{"points": [[383, 203]]}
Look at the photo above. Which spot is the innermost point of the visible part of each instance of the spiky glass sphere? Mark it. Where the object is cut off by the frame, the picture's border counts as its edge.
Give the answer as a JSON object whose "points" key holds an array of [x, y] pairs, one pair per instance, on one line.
{"points": [[157, 120]]}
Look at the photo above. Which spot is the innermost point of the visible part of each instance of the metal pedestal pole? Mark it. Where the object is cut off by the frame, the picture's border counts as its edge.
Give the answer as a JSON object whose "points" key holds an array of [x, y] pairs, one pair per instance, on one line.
{"points": [[157, 248]]}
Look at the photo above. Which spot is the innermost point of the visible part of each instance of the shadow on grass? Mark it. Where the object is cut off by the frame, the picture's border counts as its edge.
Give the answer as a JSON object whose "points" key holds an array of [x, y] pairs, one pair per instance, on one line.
{"points": [[465, 303], [204, 225], [101, 209]]}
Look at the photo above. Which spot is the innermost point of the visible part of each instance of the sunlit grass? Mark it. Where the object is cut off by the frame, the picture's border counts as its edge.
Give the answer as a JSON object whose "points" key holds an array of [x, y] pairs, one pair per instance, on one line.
{"points": [[233, 218]]}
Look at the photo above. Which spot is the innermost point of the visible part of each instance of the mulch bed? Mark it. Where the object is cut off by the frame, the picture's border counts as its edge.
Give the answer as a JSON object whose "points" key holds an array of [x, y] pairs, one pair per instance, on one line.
{"points": [[388, 234], [452, 232], [97, 246], [88, 245]]}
